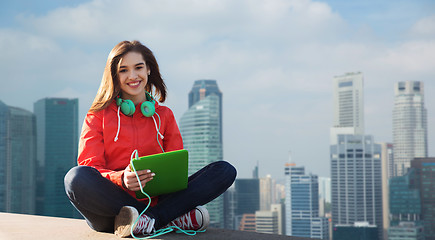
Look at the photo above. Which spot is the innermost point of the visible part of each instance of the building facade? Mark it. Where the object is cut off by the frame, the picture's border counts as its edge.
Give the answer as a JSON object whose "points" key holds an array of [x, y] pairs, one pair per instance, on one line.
{"points": [[247, 196], [387, 161], [406, 231], [202, 89], [348, 105], [57, 146], [17, 160], [425, 180], [404, 199], [302, 205], [201, 129], [266, 222], [356, 181], [356, 231], [409, 125], [267, 192]]}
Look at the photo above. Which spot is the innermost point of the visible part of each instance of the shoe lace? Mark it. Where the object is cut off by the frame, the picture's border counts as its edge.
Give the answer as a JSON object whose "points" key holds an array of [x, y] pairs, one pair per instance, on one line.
{"points": [[144, 226], [185, 222]]}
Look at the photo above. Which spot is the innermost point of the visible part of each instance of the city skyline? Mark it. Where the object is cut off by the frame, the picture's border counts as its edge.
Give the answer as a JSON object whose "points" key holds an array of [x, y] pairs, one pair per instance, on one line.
{"points": [[274, 61]]}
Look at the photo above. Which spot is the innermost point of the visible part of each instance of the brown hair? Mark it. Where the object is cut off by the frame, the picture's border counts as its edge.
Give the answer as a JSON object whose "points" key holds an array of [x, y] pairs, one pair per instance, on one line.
{"points": [[110, 86]]}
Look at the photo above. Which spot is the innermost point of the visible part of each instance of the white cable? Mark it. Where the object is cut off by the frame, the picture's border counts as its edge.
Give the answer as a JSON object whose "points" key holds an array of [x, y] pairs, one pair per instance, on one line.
{"points": [[157, 128], [119, 125]]}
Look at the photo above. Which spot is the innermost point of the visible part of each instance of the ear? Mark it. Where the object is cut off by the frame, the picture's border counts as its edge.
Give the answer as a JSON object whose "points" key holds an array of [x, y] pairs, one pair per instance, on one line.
{"points": [[149, 69]]}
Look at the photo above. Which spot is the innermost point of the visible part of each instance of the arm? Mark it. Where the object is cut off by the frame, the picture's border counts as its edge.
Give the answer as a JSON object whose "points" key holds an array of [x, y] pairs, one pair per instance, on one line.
{"points": [[91, 147], [172, 140]]}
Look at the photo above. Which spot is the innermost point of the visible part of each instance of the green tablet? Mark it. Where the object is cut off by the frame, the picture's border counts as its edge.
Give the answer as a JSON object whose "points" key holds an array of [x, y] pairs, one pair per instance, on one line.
{"points": [[170, 169]]}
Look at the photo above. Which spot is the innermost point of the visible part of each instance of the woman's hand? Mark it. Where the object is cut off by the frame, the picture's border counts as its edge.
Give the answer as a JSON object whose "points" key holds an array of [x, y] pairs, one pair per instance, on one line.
{"points": [[130, 180]]}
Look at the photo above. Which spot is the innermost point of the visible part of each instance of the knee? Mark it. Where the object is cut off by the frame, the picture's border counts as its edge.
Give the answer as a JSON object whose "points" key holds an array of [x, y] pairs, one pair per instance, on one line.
{"points": [[77, 176], [229, 171]]}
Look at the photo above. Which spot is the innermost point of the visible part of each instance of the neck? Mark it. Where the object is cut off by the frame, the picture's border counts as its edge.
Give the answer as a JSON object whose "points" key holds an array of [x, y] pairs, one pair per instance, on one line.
{"points": [[135, 98]]}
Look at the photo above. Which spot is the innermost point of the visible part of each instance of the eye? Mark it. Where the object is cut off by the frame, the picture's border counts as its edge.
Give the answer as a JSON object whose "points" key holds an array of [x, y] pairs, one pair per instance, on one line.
{"points": [[122, 70], [139, 67]]}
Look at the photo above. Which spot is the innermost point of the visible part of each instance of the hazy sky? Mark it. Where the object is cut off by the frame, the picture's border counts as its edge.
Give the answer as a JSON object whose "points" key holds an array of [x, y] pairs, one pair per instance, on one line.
{"points": [[274, 61]]}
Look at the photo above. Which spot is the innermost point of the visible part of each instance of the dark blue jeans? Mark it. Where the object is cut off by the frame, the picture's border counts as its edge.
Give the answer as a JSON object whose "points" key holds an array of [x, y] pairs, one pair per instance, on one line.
{"points": [[99, 200]]}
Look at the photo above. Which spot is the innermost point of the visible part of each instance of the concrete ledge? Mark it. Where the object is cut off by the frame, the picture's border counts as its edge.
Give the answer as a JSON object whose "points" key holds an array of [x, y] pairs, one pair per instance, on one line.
{"points": [[22, 227]]}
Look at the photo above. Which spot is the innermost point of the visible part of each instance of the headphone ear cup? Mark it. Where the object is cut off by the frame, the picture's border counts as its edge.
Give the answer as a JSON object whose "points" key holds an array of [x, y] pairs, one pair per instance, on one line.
{"points": [[147, 109], [127, 107]]}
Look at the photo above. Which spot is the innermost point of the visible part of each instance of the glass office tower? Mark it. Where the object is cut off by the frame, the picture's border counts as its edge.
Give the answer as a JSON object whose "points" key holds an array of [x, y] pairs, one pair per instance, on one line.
{"points": [[302, 204], [201, 129], [17, 160], [57, 145]]}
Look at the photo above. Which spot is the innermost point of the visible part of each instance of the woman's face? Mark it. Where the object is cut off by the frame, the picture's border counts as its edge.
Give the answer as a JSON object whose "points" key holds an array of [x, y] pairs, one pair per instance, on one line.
{"points": [[133, 76]]}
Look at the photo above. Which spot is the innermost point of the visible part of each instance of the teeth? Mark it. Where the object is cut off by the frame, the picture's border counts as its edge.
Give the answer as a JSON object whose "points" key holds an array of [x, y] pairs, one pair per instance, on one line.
{"points": [[134, 83]]}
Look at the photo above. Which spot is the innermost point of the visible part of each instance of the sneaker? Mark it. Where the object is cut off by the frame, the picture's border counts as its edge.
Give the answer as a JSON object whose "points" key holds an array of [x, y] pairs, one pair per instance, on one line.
{"points": [[127, 217], [198, 219]]}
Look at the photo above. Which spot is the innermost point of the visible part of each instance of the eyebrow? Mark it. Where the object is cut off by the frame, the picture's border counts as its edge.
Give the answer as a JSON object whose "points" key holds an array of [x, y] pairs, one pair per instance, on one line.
{"points": [[137, 64]]}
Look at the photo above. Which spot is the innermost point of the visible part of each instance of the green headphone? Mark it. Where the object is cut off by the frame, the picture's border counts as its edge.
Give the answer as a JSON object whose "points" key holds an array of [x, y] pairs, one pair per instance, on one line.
{"points": [[127, 106]]}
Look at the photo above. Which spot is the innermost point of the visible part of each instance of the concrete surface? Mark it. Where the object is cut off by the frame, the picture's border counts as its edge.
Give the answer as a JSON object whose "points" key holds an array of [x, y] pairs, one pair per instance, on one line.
{"points": [[23, 227]]}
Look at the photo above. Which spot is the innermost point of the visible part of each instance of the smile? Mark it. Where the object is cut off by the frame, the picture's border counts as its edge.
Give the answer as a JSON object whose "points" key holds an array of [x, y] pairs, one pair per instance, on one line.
{"points": [[134, 84]]}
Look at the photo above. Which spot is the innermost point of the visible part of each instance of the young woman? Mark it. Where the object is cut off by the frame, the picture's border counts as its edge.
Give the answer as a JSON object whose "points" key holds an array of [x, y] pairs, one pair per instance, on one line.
{"points": [[125, 117]]}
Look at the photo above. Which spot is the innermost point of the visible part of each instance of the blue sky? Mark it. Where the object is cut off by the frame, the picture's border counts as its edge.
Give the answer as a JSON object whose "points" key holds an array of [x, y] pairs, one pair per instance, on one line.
{"points": [[273, 60]]}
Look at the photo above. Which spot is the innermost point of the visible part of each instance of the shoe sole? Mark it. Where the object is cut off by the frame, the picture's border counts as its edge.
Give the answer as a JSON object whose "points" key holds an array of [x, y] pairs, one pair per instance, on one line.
{"points": [[124, 220]]}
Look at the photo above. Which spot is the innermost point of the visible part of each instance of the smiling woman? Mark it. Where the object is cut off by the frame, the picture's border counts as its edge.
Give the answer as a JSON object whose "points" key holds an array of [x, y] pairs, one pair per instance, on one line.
{"points": [[102, 187]]}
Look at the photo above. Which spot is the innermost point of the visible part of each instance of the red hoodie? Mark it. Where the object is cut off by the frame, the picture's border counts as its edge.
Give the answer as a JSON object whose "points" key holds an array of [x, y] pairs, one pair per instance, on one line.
{"points": [[98, 149]]}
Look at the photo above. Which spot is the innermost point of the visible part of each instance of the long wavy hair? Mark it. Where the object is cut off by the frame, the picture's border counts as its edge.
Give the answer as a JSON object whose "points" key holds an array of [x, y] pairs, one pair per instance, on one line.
{"points": [[110, 85]]}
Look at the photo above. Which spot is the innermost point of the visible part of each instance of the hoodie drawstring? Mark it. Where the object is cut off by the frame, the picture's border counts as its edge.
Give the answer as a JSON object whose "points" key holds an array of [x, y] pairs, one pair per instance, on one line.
{"points": [[155, 124], [119, 125]]}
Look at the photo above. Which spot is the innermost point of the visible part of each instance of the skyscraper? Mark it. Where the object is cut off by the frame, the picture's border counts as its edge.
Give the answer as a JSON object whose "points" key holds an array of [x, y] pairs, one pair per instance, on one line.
{"points": [[302, 204], [387, 170], [57, 146], [267, 192], [409, 125], [201, 129], [17, 160], [348, 105], [202, 89], [247, 196], [356, 181]]}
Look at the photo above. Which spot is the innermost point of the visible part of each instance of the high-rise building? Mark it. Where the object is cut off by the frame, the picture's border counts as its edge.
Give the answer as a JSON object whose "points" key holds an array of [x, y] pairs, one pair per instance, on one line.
{"points": [[356, 176], [348, 105], [230, 204], [424, 173], [247, 196], [202, 89], [57, 147], [302, 205], [201, 129], [17, 160], [356, 181], [409, 125], [267, 192], [387, 163]]}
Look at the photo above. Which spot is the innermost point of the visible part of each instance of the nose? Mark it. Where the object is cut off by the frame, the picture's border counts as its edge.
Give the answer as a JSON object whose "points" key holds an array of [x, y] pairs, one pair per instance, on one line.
{"points": [[132, 75]]}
